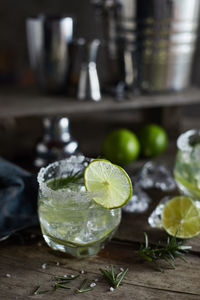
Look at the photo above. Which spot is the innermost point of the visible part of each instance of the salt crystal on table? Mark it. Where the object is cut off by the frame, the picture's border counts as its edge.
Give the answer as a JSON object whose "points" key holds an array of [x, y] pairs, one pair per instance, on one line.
{"points": [[92, 284], [44, 266], [8, 275], [82, 271]]}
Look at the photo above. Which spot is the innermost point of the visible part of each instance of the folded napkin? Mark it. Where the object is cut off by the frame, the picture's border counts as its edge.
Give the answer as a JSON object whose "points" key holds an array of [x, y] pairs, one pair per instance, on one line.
{"points": [[18, 199]]}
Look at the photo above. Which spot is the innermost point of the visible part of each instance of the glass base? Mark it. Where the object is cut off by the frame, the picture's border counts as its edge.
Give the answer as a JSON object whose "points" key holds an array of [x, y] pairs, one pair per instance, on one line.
{"points": [[76, 250]]}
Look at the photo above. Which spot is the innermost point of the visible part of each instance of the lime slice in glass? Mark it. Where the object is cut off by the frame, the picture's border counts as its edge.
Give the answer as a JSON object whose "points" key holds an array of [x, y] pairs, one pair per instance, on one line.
{"points": [[109, 182], [181, 217]]}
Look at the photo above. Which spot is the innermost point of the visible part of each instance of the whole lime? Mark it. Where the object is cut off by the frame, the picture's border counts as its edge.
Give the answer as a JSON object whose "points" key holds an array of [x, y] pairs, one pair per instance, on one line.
{"points": [[121, 146], [153, 140]]}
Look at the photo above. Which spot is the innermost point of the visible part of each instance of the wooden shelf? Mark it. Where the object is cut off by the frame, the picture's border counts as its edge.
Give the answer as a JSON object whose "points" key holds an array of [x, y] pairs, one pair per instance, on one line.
{"points": [[16, 102]]}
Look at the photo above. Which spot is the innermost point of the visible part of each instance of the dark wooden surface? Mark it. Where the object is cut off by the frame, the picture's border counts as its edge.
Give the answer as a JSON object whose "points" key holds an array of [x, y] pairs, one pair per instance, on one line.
{"points": [[30, 102], [23, 255]]}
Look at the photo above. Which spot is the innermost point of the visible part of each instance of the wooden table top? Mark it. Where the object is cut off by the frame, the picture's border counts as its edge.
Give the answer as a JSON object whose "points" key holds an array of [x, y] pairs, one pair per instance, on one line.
{"points": [[26, 262]]}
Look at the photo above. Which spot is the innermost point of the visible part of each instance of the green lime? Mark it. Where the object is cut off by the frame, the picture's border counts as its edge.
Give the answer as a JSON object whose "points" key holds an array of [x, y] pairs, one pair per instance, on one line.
{"points": [[153, 140], [181, 217], [121, 146], [110, 184]]}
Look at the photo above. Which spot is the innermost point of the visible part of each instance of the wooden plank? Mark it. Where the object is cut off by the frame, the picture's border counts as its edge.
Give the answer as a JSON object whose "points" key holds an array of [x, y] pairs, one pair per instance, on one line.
{"points": [[101, 292], [18, 103], [24, 263], [22, 256]]}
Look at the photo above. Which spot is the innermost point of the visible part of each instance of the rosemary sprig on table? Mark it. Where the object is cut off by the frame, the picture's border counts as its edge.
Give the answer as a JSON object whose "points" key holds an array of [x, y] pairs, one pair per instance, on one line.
{"points": [[67, 278], [114, 279], [83, 288], [62, 285], [62, 280], [38, 291], [174, 248]]}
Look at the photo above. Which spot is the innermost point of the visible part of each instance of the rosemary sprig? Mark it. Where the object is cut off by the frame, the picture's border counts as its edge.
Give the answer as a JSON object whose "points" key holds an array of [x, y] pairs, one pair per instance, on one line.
{"points": [[61, 285], [173, 249], [66, 278], [114, 279], [62, 280], [39, 292], [83, 288], [63, 182], [71, 178]]}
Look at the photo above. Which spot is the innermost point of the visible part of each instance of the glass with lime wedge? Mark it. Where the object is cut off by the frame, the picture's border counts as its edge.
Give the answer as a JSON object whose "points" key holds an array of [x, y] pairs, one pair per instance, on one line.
{"points": [[187, 164], [79, 203]]}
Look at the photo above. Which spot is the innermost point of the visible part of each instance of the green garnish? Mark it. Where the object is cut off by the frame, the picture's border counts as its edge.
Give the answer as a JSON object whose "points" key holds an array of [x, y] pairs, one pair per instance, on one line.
{"points": [[61, 285], [63, 280], [174, 248], [83, 287], [64, 182], [38, 291], [66, 278], [114, 279]]}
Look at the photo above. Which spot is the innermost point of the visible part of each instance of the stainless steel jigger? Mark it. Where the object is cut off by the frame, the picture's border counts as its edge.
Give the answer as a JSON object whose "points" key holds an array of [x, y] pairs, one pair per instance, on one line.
{"points": [[88, 85]]}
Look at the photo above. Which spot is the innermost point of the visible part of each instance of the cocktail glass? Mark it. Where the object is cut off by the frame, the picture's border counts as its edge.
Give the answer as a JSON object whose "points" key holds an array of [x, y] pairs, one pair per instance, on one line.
{"points": [[186, 173], [70, 220], [187, 164]]}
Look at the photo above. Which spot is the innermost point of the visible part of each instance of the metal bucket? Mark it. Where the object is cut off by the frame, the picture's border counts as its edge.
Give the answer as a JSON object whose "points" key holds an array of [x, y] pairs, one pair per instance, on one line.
{"points": [[151, 42]]}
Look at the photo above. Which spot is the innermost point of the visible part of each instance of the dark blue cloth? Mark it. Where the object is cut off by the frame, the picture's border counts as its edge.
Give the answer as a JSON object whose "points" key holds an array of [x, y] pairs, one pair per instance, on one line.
{"points": [[18, 198]]}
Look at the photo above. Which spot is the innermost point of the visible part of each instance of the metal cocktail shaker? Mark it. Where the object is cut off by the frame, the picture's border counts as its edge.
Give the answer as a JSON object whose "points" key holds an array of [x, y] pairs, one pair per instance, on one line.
{"points": [[151, 43], [49, 40], [57, 142]]}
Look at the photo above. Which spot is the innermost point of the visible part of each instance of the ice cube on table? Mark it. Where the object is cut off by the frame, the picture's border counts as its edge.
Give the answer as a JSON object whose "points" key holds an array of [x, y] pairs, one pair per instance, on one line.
{"points": [[154, 219], [154, 175], [139, 201]]}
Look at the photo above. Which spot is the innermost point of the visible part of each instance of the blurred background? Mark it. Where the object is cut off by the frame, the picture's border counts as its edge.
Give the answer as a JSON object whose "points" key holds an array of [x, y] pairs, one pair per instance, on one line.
{"points": [[22, 132]]}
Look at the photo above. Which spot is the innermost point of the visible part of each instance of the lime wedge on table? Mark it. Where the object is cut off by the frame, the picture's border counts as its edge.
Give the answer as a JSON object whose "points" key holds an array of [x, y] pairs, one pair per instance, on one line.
{"points": [[181, 217], [109, 182]]}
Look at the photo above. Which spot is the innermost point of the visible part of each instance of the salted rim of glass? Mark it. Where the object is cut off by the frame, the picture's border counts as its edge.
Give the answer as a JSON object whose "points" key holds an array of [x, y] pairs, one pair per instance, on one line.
{"points": [[61, 194], [185, 140]]}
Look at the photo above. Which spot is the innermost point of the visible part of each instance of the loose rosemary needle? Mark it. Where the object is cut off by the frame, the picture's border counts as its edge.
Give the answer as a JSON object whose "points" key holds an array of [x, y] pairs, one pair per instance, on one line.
{"points": [[38, 291], [67, 278], [62, 280], [61, 285]]}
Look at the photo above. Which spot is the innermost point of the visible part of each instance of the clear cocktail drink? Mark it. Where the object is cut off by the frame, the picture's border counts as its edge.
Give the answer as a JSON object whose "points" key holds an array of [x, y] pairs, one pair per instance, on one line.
{"points": [[70, 220], [187, 165]]}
